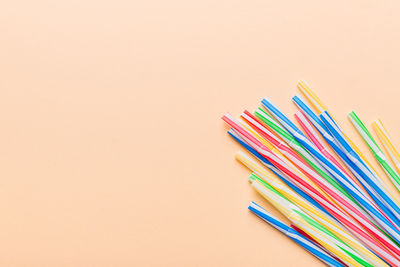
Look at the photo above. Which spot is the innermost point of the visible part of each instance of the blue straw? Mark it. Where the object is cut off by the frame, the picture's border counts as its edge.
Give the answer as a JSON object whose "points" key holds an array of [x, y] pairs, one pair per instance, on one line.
{"points": [[294, 235]]}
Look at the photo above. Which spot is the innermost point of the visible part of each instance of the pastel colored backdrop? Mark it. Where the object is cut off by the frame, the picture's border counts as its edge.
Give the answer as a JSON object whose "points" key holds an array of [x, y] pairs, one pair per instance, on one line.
{"points": [[113, 152]]}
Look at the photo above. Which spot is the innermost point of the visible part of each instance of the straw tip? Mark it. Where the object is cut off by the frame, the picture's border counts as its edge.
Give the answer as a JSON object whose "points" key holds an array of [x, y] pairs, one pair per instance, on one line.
{"points": [[239, 154], [225, 114], [252, 206], [300, 81], [298, 113], [352, 115], [296, 96], [252, 178], [245, 113]]}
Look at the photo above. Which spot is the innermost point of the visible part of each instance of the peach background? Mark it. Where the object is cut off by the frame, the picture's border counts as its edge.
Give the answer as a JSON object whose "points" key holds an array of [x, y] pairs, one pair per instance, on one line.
{"points": [[112, 148]]}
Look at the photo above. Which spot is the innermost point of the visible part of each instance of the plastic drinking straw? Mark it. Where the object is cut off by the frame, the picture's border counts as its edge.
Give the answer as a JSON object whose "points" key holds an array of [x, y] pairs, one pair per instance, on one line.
{"points": [[318, 124], [327, 204], [277, 172], [320, 107], [307, 224], [322, 218], [331, 168], [294, 235], [387, 143], [338, 196], [376, 151], [309, 94]]}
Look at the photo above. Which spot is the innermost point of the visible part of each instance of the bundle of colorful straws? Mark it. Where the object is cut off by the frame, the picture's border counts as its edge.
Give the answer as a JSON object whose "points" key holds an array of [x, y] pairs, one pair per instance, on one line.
{"points": [[339, 208]]}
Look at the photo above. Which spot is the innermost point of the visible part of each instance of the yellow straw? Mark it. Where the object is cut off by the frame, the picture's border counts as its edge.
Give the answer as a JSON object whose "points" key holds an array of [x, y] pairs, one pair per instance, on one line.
{"points": [[391, 151], [387, 143], [331, 225]]}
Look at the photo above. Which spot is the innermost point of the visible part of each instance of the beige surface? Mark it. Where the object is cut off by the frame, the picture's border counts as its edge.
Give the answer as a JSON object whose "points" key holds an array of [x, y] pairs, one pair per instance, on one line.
{"points": [[112, 148]]}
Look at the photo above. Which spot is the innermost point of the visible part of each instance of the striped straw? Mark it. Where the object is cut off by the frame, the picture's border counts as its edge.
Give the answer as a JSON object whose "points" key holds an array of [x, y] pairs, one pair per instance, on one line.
{"points": [[322, 218], [368, 226], [387, 143], [310, 190], [294, 235], [376, 151], [307, 224]]}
